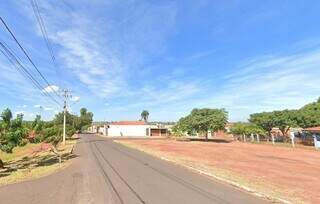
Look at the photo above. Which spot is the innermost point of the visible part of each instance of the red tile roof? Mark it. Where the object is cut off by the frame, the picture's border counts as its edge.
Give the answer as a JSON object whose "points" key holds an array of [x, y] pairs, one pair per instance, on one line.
{"points": [[312, 129], [128, 123]]}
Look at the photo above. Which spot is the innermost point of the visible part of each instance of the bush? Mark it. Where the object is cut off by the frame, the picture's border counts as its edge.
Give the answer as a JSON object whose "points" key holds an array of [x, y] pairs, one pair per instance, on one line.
{"points": [[7, 147], [23, 142], [70, 131]]}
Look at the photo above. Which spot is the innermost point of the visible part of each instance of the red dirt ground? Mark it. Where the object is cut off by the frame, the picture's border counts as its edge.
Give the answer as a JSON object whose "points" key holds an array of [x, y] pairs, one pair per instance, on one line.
{"points": [[295, 171]]}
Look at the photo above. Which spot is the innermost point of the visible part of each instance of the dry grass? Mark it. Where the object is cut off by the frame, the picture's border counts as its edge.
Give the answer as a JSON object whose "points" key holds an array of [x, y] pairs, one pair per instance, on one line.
{"points": [[23, 164]]}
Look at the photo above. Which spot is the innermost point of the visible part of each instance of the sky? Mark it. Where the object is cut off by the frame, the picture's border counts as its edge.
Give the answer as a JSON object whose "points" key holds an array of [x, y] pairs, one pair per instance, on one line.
{"points": [[119, 57]]}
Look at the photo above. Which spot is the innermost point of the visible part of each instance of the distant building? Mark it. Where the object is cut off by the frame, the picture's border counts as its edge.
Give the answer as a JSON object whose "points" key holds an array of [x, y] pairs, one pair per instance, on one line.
{"points": [[315, 132], [134, 129]]}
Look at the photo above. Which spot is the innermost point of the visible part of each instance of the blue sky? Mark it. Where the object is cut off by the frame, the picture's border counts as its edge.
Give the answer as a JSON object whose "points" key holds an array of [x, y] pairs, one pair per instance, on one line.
{"points": [[168, 57]]}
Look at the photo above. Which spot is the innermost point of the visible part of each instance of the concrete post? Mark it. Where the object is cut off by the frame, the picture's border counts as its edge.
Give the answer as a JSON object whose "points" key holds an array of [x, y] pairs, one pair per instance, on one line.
{"points": [[292, 138], [272, 138], [258, 138], [316, 142]]}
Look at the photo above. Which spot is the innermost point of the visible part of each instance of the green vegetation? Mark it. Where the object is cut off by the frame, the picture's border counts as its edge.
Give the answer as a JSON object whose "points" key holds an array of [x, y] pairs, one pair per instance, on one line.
{"points": [[12, 132], [283, 120], [307, 116], [145, 115], [16, 132], [201, 121], [242, 130]]}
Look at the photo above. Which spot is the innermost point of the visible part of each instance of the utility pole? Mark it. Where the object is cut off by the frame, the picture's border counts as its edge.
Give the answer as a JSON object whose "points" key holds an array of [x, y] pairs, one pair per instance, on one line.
{"points": [[65, 97]]}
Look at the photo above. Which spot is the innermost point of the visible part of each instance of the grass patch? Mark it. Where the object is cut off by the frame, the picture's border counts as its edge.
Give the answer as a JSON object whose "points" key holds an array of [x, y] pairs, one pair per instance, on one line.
{"points": [[23, 164], [18, 152]]}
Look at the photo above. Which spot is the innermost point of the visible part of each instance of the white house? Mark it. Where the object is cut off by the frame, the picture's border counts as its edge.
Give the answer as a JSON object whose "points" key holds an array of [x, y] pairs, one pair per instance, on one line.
{"points": [[133, 129]]}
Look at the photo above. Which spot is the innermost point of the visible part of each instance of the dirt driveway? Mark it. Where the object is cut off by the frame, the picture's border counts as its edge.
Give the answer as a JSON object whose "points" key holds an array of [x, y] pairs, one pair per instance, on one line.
{"points": [[282, 172]]}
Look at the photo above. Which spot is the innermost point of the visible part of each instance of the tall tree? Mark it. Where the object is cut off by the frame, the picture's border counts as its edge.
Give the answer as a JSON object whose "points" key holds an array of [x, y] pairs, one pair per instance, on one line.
{"points": [[12, 134], [309, 115], [145, 115], [265, 120], [284, 120], [182, 127], [6, 116], [37, 124], [204, 120]]}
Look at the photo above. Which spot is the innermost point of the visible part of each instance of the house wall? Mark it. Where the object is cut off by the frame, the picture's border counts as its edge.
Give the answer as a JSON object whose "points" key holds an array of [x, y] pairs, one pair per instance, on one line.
{"points": [[128, 130]]}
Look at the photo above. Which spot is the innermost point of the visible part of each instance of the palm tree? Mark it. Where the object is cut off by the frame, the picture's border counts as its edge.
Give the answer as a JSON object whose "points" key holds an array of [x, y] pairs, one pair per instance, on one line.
{"points": [[144, 115]]}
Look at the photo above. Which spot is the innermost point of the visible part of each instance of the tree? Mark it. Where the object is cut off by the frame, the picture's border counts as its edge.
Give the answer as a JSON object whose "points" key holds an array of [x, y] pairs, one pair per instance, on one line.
{"points": [[204, 120], [84, 120], [144, 115], [37, 124], [6, 116], [264, 120], [244, 129], [284, 120], [83, 112], [12, 133], [182, 127], [75, 122], [309, 115]]}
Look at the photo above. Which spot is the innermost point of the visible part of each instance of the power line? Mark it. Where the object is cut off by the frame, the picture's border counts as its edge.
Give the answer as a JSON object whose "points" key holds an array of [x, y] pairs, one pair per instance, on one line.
{"points": [[42, 28], [44, 32], [23, 71], [26, 54]]}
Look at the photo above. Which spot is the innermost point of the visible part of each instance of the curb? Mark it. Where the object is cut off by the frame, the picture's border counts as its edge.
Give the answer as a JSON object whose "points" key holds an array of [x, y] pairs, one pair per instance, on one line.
{"points": [[261, 195]]}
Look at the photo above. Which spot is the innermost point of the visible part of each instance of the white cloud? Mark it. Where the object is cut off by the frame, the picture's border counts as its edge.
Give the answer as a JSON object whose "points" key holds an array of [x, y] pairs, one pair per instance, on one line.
{"points": [[105, 56], [75, 98], [48, 108], [51, 89], [262, 83], [21, 106], [37, 106], [14, 85], [108, 57], [270, 83]]}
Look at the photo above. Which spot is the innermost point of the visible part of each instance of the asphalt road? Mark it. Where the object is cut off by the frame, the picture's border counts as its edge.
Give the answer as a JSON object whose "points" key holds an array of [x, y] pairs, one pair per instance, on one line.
{"points": [[106, 172]]}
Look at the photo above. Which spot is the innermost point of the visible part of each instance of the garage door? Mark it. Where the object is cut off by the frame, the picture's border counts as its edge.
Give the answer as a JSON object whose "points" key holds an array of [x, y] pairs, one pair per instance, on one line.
{"points": [[155, 132]]}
